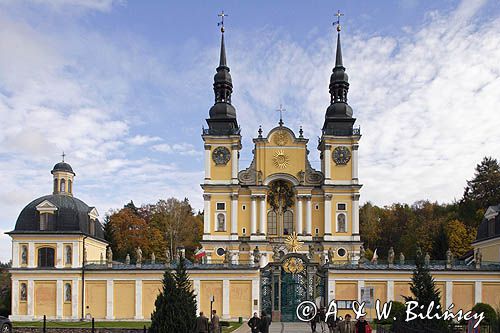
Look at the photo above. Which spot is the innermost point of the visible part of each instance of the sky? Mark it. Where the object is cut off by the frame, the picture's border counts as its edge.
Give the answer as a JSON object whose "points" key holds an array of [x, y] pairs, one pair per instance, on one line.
{"points": [[124, 88]]}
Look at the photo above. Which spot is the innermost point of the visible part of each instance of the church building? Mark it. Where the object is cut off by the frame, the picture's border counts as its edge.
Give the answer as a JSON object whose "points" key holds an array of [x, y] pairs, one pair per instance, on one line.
{"points": [[276, 232]]}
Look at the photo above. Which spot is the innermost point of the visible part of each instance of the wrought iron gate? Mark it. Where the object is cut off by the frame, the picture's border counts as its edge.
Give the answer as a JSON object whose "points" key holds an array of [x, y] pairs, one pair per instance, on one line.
{"points": [[285, 284]]}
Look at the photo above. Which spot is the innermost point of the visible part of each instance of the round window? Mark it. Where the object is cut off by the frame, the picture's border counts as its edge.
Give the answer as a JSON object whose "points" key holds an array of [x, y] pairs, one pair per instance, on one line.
{"points": [[221, 251], [341, 252]]}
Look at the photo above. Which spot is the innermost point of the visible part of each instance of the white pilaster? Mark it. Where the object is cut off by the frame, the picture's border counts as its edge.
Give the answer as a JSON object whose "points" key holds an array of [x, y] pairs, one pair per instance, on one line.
{"points": [[59, 299], [206, 214], [255, 296], [328, 215], [15, 297], [263, 215], [31, 298], [390, 290], [15, 255], [478, 292], [355, 214], [328, 162], [355, 163], [207, 162], [109, 299], [234, 215], [331, 290], [253, 216], [361, 284], [449, 293], [299, 216], [197, 288], [59, 255], [234, 164], [31, 255], [76, 255], [74, 299], [138, 300], [308, 216], [225, 299]]}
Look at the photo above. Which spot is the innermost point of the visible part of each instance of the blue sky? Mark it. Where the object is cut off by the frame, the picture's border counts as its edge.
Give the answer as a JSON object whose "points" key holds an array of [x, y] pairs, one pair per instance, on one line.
{"points": [[124, 87]]}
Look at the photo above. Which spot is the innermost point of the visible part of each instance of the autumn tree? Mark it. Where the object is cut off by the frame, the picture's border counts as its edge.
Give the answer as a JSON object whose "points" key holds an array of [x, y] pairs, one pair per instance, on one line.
{"points": [[370, 228], [459, 237]]}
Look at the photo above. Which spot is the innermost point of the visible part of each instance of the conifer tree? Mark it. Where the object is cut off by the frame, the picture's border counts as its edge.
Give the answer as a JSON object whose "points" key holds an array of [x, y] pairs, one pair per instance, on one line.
{"points": [[187, 298]]}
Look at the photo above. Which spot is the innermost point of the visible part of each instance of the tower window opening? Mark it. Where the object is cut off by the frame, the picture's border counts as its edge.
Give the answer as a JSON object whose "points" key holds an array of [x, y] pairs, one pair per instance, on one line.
{"points": [[55, 185], [70, 186], [46, 257], [45, 219], [92, 227], [63, 185]]}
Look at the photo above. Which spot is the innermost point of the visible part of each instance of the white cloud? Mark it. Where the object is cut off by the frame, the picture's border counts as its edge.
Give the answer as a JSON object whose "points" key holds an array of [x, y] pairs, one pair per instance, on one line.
{"points": [[60, 5], [140, 140]]}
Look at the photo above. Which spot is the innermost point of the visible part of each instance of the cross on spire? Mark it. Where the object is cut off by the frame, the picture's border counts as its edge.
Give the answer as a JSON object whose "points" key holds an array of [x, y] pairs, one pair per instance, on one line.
{"points": [[221, 23], [337, 23], [280, 110], [63, 155]]}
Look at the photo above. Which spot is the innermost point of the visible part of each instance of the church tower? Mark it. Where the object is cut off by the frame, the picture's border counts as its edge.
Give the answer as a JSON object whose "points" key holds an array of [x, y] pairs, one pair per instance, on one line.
{"points": [[339, 159], [222, 141]]}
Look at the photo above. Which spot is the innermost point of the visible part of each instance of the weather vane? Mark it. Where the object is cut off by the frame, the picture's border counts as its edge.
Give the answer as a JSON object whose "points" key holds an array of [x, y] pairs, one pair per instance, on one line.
{"points": [[221, 23], [280, 110], [337, 23], [63, 156]]}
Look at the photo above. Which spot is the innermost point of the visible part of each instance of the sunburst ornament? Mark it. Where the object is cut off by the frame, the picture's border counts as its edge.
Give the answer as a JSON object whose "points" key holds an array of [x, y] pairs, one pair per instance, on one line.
{"points": [[292, 242], [280, 159]]}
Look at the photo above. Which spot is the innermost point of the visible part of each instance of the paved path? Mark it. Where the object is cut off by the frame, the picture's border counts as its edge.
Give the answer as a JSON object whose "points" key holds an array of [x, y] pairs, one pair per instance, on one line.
{"points": [[283, 328]]}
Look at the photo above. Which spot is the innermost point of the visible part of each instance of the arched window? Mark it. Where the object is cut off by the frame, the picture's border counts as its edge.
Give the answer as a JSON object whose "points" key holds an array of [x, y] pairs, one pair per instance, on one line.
{"points": [[287, 222], [67, 292], [221, 222], [70, 186], [24, 255], [55, 185], [272, 223], [63, 185], [341, 222], [23, 292], [68, 254], [46, 257]]}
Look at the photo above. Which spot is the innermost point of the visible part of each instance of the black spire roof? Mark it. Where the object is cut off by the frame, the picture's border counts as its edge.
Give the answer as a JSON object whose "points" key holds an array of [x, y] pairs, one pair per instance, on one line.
{"points": [[338, 118], [222, 119], [62, 166]]}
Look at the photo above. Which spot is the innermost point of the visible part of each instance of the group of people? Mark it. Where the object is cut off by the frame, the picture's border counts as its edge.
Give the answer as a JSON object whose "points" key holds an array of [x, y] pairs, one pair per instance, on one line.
{"points": [[335, 325], [260, 325], [203, 326]]}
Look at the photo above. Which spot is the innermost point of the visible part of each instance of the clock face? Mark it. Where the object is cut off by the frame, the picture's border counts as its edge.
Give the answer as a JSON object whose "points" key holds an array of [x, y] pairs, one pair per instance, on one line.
{"points": [[341, 155], [221, 155]]}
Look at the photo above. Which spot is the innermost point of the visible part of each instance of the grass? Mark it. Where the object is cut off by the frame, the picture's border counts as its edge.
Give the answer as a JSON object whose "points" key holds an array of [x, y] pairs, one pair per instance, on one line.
{"points": [[101, 324]]}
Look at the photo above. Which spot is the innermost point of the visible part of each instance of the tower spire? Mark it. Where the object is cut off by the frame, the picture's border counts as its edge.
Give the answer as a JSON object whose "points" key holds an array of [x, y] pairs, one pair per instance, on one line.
{"points": [[222, 119]]}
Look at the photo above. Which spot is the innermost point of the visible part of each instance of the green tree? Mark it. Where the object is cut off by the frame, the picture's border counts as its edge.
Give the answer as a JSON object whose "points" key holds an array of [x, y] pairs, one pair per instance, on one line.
{"points": [[175, 306], [5, 289], [459, 237], [425, 292]]}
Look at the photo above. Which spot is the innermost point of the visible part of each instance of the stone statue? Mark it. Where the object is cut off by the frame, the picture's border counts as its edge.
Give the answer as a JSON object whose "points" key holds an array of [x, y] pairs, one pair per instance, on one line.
{"points": [[323, 258], [168, 259], [362, 254], [390, 256], [153, 258], [349, 258], [101, 259], [427, 259], [478, 258], [227, 256], [449, 258], [251, 258], [276, 254], [401, 258], [109, 255], [311, 252], [331, 255], [256, 255], [127, 259], [138, 256]]}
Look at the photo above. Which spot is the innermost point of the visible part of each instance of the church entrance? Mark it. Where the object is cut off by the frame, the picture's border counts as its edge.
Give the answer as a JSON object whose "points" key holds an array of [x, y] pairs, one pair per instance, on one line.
{"points": [[290, 281]]}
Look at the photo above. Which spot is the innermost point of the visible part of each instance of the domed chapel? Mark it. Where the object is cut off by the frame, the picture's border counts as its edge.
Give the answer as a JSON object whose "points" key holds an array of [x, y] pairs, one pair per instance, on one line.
{"points": [[276, 232]]}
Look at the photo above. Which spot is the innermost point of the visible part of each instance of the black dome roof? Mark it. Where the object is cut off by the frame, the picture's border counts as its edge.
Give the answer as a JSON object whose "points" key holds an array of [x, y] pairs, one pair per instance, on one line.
{"points": [[71, 216], [62, 166]]}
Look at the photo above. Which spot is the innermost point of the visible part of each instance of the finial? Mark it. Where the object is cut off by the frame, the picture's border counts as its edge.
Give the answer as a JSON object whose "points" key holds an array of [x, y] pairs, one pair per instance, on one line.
{"points": [[280, 110], [63, 156], [301, 132], [337, 23], [260, 131], [221, 23]]}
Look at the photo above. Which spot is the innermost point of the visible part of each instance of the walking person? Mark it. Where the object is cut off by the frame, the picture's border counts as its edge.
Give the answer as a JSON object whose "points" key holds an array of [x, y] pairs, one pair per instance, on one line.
{"points": [[215, 324], [201, 324], [254, 323], [347, 326], [265, 322], [333, 323], [362, 326], [314, 321]]}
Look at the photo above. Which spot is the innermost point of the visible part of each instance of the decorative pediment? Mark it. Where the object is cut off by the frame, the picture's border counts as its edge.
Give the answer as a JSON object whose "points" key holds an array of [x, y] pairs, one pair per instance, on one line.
{"points": [[250, 176], [491, 212], [93, 214], [46, 206]]}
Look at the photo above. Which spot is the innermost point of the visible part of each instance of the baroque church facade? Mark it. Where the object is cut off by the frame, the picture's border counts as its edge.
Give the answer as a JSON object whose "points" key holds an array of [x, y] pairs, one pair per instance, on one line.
{"points": [[275, 233]]}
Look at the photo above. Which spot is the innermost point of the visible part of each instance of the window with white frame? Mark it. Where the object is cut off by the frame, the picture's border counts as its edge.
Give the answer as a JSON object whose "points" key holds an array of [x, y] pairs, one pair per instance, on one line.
{"points": [[220, 206]]}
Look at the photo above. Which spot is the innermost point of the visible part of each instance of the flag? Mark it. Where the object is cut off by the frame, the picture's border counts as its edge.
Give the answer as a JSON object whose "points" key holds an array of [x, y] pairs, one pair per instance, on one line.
{"points": [[200, 253], [375, 256]]}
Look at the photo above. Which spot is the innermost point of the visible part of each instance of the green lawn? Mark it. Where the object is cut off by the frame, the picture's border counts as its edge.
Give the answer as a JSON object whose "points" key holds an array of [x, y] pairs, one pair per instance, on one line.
{"points": [[102, 324]]}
